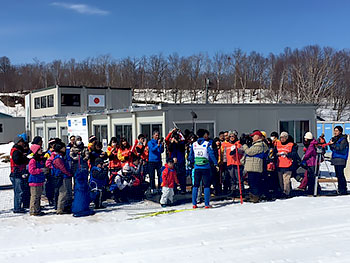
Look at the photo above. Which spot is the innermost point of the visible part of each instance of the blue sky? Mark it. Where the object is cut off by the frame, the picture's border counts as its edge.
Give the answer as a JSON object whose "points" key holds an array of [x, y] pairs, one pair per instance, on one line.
{"points": [[49, 30]]}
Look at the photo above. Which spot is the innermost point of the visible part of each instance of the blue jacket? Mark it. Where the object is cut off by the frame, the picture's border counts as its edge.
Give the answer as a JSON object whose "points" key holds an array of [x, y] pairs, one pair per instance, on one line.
{"points": [[98, 176], [212, 158], [155, 151], [340, 149], [37, 178], [56, 171], [177, 150]]}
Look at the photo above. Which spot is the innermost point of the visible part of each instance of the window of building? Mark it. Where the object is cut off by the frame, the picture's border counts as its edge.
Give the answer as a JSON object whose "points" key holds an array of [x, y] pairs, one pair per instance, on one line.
{"points": [[37, 103], [50, 102], [297, 129], [70, 100], [148, 129], [124, 131], [64, 134], [43, 102], [1, 130], [51, 132], [101, 132], [39, 132]]}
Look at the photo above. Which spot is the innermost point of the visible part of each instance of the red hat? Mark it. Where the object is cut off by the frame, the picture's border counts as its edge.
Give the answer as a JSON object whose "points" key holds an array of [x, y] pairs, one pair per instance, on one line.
{"points": [[257, 133], [35, 148]]}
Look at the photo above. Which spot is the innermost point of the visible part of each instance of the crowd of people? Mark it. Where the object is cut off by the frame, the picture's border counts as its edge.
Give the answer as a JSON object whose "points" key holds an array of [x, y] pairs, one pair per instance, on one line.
{"points": [[252, 166]]}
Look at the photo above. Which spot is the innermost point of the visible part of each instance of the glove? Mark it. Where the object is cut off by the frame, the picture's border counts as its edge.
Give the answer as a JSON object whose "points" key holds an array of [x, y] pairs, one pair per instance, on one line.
{"points": [[233, 147], [217, 168], [125, 183]]}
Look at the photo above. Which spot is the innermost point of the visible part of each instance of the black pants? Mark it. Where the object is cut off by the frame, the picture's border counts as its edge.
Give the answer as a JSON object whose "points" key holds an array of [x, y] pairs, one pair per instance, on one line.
{"points": [[339, 172], [202, 174], [181, 175], [254, 180], [310, 180], [152, 168]]}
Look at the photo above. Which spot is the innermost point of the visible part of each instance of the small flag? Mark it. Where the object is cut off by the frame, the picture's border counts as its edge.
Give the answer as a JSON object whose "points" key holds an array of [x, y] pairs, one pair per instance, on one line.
{"points": [[96, 100]]}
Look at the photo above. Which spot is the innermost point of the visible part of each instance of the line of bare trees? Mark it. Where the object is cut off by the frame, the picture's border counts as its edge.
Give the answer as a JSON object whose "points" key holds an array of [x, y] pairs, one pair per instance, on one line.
{"points": [[313, 74]]}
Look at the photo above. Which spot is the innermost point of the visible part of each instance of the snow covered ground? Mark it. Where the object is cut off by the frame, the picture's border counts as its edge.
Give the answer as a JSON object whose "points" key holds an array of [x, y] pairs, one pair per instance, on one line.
{"points": [[303, 229]]}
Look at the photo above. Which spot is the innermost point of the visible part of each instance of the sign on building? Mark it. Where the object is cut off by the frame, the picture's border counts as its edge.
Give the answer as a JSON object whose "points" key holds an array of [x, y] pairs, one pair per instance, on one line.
{"points": [[96, 100], [78, 126]]}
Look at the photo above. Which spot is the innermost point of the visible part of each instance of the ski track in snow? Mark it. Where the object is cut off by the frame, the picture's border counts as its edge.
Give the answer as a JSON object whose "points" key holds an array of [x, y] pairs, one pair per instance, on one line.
{"points": [[302, 229]]}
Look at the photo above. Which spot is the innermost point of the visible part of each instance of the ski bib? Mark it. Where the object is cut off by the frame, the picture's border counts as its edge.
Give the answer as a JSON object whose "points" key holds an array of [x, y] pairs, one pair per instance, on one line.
{"points": [[201, 156]]}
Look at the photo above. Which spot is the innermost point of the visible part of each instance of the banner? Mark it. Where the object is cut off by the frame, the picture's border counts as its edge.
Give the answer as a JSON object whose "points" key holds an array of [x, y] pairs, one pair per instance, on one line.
{"points": [[78, 126], [96, 100]]}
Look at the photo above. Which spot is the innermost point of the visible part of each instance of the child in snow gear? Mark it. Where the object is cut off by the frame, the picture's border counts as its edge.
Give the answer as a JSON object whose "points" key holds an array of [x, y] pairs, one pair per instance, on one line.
{"points": [[200, 156], [169, 179], [81, 202], [37, 172], [98, 182], [62, 180]]}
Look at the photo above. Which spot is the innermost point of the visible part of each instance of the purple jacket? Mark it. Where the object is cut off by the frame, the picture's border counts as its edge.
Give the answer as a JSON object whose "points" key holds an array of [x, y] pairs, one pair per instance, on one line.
{"points": [[310, 154]]}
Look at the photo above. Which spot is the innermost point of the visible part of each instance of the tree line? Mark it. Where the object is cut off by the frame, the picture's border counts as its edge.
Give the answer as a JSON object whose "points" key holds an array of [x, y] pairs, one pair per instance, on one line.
{"points": [[312, 74]]}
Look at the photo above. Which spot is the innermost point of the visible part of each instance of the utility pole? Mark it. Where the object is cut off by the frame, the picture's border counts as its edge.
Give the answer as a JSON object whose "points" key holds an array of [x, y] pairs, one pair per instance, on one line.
{"points": [[207, 82]]}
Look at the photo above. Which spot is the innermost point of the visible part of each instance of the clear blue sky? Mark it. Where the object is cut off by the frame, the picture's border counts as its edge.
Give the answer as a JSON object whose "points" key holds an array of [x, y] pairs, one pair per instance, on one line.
{"points": [[56, 29]]}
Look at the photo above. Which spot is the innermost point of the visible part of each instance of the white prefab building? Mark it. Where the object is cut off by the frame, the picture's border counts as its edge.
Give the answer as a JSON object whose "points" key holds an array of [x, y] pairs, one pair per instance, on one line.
{"points": [[10, 127], [119, 118]]}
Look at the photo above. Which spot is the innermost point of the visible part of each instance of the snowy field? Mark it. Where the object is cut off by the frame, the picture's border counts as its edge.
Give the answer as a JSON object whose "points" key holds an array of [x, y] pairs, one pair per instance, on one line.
{"points": [[302, 229]]}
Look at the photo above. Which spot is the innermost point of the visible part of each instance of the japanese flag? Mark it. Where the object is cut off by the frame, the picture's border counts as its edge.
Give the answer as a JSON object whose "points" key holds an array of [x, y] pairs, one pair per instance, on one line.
{"points": [[96, 100]]}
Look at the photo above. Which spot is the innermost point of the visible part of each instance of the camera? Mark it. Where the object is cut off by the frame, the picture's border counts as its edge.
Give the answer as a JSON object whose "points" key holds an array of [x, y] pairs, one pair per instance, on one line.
{"points": [[246, 139]]}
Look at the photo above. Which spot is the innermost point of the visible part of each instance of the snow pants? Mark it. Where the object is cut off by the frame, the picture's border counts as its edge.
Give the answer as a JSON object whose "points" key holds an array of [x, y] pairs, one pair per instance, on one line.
{"points": [[167, 194]]}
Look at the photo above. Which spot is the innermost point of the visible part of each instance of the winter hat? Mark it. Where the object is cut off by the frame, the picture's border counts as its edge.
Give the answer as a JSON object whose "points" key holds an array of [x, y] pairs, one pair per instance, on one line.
{"points": [[284, 134], [274, 134], [340, 128], [37, 140], [78, 138], [18, 139], [98, 161], [308, 136], [264, 133], [256, 133], [92, 138], [35, 148], [170, 160]]}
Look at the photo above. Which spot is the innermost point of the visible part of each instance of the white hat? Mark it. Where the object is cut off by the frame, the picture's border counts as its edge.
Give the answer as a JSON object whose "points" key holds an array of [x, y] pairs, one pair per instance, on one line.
{"points": [[284, 134], [308, 135]]}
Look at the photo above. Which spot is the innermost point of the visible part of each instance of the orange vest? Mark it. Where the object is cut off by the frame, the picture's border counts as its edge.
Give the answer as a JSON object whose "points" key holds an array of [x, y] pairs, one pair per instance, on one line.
{"points": [[144, 155], [283, 161], [225, 146], [232, 159]]}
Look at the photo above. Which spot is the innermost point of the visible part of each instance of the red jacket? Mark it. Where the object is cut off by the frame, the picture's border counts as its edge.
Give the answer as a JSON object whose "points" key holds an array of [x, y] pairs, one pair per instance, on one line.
{"points": [[169, 177]]}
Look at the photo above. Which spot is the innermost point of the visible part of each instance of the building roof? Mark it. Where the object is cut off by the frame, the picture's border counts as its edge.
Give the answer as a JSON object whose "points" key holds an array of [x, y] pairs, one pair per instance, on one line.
{"points": [[76, 87]]}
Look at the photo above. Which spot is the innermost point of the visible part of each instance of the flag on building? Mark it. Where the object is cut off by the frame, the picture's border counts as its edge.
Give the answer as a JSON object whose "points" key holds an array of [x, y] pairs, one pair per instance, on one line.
{"points": [[96, 100]]}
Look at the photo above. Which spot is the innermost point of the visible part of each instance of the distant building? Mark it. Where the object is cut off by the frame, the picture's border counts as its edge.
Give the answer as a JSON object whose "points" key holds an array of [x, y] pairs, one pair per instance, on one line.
{"points": [[10, 127], [106, 112]]}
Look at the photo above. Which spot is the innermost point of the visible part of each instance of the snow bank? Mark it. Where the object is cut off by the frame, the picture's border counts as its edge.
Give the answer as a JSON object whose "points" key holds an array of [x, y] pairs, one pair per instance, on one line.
{"points": [[17, 111], [303, 229]]}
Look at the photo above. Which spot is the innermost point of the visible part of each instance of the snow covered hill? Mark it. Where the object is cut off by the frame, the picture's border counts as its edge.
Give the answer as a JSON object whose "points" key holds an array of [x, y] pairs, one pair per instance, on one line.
{"points": [[303, 229]]}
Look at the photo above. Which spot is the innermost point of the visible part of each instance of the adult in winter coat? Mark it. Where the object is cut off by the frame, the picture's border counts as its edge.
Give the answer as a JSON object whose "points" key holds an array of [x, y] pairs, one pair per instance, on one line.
{"points": [[37, 172], [155, 149], [78, 151], [309, 161], [201, 155], [340, 151], [18, 162], [176, 147], [233, 156], [287, 152], [253, 162]]}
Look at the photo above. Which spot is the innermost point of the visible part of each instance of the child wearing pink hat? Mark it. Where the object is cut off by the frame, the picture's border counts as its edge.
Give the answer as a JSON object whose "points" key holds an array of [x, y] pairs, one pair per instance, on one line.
{"points": [[36, 180]]}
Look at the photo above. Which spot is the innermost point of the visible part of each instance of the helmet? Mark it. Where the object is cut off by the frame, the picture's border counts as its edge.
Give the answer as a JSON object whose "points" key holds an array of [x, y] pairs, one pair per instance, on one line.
{"points": [[308, 136]]}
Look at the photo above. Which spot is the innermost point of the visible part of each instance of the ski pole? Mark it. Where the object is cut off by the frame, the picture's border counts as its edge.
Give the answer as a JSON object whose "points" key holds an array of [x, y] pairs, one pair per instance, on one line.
{"points": [[239, 177]]}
